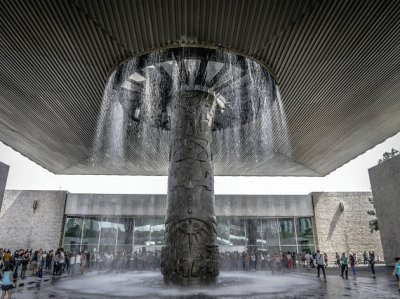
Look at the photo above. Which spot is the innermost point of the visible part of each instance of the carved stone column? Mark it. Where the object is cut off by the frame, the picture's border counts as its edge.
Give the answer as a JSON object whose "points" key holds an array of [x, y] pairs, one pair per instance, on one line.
{"points": [[191, 253]]}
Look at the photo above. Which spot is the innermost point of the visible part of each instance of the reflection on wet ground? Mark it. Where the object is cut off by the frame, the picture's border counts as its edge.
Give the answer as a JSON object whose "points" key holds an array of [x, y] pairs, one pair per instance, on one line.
{"points": [[231, 285]]}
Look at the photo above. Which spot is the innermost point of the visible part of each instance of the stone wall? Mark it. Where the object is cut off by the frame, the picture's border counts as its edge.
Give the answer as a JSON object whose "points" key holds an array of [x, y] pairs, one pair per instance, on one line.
{"points": [[347, 230], [385, 184], [3, 180], [22, 226]]}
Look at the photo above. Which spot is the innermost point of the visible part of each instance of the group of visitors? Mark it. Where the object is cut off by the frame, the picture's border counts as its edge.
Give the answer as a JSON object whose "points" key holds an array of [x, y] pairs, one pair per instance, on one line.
{"points": [[59, 262], [264, 260], [16, 264], [20, 263], [343, 262], [257, 260]]}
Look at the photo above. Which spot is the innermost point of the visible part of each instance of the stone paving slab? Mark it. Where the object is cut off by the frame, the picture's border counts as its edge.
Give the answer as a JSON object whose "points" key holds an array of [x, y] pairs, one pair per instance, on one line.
{"points": [[363, 286]]}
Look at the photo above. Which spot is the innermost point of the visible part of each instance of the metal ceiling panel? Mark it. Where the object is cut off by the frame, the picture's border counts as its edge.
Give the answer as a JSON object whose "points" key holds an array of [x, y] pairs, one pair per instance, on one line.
{"points": [[337, 64]]}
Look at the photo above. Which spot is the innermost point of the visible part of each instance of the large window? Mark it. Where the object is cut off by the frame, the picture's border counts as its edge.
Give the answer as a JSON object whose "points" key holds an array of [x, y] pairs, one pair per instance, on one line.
{"points": [[287, 233], [305, 235], [109, 234], [237, 235], [270, 233]]}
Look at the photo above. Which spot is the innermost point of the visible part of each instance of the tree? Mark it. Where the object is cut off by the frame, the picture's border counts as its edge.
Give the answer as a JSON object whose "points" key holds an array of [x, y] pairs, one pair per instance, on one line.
{"points": [[388, 155], [373, 224]]}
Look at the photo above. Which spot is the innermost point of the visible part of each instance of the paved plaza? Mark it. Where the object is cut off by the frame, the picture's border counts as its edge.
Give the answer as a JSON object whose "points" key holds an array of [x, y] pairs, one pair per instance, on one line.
{"points": [[297, 284], [179, 149]]}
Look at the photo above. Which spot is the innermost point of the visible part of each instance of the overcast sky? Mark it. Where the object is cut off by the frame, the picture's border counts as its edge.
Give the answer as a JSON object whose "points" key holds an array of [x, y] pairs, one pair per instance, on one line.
{"points": [[353, 176]]}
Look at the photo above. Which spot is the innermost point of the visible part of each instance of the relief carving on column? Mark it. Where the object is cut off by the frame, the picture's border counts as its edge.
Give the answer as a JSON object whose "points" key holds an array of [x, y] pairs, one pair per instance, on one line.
{"points": [[190, 233]]}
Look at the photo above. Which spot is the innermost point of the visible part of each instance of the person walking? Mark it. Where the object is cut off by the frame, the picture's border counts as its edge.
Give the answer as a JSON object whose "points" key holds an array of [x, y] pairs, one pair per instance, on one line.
{"points": [[320, 263], [396, 271], [372, 262], [345, 269], [7, 282], [353, 262]]}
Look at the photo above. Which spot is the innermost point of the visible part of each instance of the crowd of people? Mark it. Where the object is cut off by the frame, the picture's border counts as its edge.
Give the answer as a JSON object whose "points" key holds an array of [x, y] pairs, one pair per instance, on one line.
{"points": [[261, 260], [285, 261], [22, 262], [58, 262]]}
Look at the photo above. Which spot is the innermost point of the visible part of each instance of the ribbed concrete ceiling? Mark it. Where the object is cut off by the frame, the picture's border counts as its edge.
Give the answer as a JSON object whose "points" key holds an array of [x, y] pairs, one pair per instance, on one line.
{"points": [[337, 64]]}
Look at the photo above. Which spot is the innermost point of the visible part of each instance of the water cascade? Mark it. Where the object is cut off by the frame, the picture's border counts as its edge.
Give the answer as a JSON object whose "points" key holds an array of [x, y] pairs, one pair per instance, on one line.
{"points": [[192, 105]]}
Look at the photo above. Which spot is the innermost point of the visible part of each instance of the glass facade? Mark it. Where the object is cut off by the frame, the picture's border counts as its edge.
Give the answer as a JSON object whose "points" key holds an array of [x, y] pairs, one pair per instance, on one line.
{"points": [[109, 234]]}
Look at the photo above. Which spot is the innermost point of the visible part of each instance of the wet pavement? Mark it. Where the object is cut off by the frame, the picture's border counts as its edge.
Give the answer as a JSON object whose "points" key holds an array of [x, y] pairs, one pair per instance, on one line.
{"points": [[297, 284]]}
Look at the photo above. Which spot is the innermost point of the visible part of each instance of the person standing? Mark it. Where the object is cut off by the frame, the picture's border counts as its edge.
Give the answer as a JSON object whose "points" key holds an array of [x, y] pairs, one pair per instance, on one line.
{"points": [[71, 269], [34, 262], [337, 259], [253, 262], [7, 282], [83, 262], [365, 256], [345, 269], [278, 263], [353, 262], [49, 260], [41, 264], [326, 260], [56, 260], [289, 261], [396, 271], [7, 258], [25, 262], [294, 259], [307, 260], [16, 261], [320, 263], [61, 261], [78, 261], [372, 262]]}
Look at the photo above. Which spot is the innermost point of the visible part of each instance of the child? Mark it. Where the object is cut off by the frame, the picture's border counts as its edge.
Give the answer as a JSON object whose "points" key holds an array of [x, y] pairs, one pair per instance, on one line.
{"points": [[396, 271]]}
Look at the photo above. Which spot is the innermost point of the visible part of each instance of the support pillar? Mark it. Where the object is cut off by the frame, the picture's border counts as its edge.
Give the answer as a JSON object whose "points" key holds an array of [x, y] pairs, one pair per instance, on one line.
{"points": [[190, 255]]}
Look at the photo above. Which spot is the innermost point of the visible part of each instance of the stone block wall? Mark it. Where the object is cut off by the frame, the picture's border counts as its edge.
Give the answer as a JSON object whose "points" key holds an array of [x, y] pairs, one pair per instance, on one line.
{"points": [[3, 180], [385, 184], [347, 230], [22, 226]]}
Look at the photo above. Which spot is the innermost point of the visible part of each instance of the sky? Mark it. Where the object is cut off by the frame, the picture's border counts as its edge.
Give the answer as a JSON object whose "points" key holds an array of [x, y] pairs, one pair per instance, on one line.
{"points": [[353, 176]]}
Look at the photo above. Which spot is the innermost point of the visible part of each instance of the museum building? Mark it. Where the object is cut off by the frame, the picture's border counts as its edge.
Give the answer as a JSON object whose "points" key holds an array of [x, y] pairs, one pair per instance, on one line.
{"points": [[332, 222]]}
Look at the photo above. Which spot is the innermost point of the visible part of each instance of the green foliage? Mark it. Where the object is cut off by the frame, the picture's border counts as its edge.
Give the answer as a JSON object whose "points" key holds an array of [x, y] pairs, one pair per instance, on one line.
{"points": [[373, 224], [389, 155]]}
